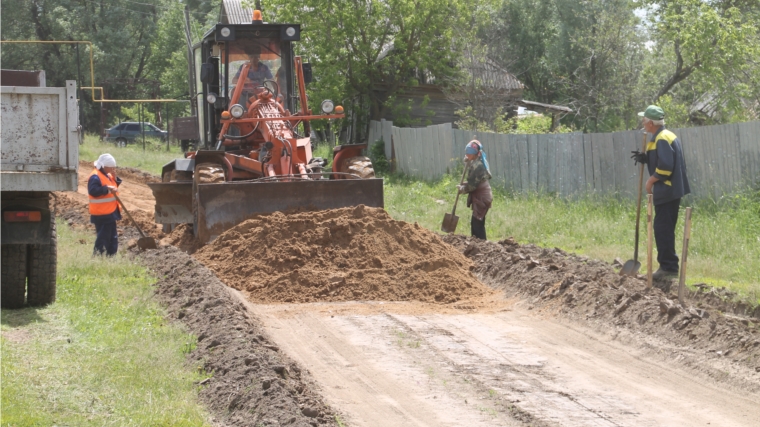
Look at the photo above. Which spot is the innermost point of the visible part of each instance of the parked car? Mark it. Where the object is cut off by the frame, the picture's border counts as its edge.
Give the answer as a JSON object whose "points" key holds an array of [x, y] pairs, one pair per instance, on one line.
{"points": [[126, 132]]}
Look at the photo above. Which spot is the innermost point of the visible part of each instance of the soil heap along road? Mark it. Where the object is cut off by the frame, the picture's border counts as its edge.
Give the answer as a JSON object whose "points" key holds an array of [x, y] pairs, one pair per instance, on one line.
{"points": [[349, 254]]}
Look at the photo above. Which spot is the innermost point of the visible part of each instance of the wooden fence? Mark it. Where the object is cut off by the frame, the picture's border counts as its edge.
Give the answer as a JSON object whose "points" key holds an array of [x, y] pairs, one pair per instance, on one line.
{"points": [[719, 159]]}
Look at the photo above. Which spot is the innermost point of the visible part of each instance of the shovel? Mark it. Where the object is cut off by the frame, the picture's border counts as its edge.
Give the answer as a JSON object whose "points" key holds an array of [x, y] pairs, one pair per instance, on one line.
{"points": [[144, 242], [632, 266], [450, 220]]}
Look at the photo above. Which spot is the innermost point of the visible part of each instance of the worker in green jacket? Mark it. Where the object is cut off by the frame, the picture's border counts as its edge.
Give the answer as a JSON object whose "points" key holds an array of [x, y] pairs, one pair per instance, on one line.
{"points": [[667, 183]]}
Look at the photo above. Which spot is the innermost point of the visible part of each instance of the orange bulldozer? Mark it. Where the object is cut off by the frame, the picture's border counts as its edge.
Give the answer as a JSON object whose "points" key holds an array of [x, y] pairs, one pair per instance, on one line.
{"points": [[257, 155]]}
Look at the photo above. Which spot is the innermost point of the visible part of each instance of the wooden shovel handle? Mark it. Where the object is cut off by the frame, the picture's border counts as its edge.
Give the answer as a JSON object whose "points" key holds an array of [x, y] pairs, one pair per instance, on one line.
{"points": [[464, 173], [684, 254], [649, 240], [128, 215], [638, 202]]}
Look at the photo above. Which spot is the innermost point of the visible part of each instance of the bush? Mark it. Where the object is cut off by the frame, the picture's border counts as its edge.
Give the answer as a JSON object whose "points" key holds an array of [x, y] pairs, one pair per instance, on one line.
{"points": [[377, 155]]}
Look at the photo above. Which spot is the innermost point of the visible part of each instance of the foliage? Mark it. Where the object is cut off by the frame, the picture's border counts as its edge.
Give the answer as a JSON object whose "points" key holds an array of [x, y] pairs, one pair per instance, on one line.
{"points": [[369, 52], [138, 49], [102, 354], [531, 124], [377, 155], [600, 58]]}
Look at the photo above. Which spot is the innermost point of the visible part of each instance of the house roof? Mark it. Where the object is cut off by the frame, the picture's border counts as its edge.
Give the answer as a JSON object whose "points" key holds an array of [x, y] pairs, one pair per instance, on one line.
{"points": [[232, 12], [492, 76]]}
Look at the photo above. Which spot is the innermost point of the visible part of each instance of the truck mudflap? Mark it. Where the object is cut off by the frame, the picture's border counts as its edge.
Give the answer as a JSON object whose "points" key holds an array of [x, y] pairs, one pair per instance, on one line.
{"points": [[222, 206]]}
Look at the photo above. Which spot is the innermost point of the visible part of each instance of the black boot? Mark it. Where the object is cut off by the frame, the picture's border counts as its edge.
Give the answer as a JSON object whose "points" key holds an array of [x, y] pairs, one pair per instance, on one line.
{"points": [[478, 228]]}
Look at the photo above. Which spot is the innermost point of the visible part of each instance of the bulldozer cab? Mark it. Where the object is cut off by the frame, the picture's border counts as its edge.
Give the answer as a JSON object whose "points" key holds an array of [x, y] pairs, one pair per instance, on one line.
{"points": [[253, 122], [265, 51]]}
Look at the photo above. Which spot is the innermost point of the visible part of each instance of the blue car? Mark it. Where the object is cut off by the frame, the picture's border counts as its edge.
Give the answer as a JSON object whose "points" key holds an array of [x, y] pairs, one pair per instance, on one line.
{"points": [[126, 132]]}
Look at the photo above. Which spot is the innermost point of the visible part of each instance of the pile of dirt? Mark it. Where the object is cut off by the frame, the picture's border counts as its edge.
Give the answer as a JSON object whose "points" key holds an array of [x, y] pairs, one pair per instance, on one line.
{"points": [[711, 333], [348, 254], [183, 238], [252, 382]]}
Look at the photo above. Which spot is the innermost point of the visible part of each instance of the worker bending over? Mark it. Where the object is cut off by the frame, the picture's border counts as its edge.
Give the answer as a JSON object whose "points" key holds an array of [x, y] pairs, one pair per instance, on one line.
{"points": [[478, 189], [667, 183], [104, 209]]}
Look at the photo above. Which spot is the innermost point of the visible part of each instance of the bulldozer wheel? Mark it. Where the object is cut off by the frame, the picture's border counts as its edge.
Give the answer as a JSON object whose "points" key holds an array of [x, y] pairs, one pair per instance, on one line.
{"points": [[205, 173], [360, 165], [208, 173]]}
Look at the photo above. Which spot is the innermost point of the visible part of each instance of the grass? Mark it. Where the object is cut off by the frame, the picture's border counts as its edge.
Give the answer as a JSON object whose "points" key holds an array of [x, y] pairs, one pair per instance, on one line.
{"points": [[151, 159], [102, 354], [724, 249]]}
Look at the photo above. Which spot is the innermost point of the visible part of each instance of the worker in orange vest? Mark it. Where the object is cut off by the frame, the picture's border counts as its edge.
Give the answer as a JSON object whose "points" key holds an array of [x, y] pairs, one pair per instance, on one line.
{"points": [[104, 209]]}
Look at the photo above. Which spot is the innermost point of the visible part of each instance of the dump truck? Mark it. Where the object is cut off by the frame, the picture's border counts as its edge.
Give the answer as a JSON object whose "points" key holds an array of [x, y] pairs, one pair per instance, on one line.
{"points": [[40, 155], [254, 134]]}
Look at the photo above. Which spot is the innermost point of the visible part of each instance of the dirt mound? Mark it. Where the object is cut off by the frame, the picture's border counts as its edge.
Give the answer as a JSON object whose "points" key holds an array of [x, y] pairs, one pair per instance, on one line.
{"points": [[347, 254], [182, 237], [252, 383], [710, 333]]}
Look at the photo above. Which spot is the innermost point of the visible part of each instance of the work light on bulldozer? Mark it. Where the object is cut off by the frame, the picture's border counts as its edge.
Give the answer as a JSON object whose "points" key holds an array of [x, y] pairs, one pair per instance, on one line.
{"points": [[253, 127]]}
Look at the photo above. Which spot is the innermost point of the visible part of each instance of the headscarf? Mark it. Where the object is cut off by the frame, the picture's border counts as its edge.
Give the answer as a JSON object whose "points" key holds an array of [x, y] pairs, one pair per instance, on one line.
{"points": [[105, 160], [474, 147]]}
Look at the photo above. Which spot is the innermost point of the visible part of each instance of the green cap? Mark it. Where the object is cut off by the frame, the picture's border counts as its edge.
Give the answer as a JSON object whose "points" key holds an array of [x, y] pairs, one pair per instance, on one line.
{"points": [[653, 112]]}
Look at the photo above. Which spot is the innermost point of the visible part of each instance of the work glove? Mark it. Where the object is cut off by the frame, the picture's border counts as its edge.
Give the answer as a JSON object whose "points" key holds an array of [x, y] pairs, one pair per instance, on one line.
{"points": [[639, 157], [461, 188]]}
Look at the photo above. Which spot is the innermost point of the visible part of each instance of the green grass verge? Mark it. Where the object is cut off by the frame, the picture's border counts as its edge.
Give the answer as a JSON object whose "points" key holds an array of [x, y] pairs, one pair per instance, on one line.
{"points": [[150, 159], [725, 239], [101, 355]]}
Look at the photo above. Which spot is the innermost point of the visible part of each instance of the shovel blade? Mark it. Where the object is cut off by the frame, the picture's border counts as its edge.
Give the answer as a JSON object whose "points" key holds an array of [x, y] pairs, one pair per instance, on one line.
{"points": [[146, 243], [630, 268], [449, 223]]}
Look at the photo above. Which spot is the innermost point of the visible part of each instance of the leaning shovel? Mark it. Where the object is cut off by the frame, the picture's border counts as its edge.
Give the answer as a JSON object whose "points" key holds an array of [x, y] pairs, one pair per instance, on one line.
{"points": [[632, 266], [144, 242], [450, 220]]}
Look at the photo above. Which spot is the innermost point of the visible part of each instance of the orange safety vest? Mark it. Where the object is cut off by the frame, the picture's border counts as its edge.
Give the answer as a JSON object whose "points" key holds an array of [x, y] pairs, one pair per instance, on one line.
{"points": [[106, 204]]}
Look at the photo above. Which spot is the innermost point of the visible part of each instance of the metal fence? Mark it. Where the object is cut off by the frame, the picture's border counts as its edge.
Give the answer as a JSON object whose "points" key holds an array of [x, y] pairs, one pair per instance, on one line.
{"points": [[719, 159]]}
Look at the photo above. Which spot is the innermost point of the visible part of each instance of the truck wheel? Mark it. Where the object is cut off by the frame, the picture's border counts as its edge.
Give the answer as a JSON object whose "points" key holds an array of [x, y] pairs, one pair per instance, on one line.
{"points": [[13, 280], [360, 165], [41, 263], [121, 142], [205, 173]]}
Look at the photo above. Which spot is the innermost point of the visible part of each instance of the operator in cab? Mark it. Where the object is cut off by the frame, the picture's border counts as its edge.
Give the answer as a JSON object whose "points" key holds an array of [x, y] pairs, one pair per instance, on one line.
{"points": [[257, 72], [102, 185]]}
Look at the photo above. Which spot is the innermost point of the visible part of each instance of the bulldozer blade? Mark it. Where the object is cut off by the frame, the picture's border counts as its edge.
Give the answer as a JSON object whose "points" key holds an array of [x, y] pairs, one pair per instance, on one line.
{"points": [[222, 206], [174, 202], [450, 222], [630, 268]]}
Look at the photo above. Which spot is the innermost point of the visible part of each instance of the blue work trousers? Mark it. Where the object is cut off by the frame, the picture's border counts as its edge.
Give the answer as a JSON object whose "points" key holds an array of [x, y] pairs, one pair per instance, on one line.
{"points": [[107, 239], [665, 220]]}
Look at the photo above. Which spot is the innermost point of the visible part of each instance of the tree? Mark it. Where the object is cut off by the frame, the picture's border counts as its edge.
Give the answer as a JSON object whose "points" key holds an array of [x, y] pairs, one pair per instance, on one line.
{"points": [[374, 49], [131, 40]]}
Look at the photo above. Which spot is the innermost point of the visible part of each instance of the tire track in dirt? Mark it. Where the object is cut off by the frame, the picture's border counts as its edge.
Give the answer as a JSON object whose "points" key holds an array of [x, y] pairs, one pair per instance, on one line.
{"points": [[504, 368]]}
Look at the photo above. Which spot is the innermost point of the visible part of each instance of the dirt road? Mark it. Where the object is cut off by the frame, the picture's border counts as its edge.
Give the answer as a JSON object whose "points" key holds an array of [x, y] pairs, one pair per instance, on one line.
{"points": [[428, 369]]}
